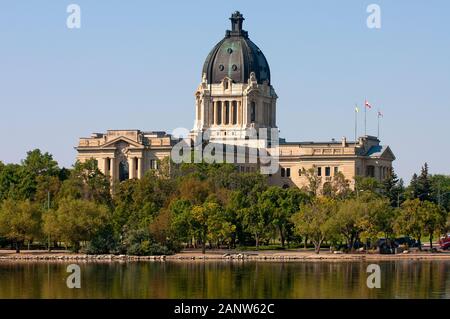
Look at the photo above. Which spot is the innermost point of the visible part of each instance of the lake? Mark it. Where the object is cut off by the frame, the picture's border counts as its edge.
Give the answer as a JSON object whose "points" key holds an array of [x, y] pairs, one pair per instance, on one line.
{"points": [[226, 279]]}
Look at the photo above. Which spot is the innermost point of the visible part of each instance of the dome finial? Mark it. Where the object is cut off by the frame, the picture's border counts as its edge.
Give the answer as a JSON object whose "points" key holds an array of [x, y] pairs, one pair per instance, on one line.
{"points": [[236, 22]]}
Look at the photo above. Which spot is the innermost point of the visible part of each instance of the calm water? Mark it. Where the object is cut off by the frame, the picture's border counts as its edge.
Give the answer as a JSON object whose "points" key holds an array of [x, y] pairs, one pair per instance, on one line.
{"points": [[400, 279]]}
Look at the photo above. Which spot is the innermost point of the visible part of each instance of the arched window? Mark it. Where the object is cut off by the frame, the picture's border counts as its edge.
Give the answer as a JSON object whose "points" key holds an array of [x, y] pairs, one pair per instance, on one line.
{"points": [[123, 171]]}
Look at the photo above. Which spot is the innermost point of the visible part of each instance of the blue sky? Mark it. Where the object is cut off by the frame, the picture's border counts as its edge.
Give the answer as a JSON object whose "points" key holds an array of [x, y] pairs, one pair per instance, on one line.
{"points": [[136, 64]]}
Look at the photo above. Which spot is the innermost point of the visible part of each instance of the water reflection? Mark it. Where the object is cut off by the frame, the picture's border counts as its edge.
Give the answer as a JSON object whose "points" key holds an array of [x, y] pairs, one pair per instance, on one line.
{"points": [[197, 279]]}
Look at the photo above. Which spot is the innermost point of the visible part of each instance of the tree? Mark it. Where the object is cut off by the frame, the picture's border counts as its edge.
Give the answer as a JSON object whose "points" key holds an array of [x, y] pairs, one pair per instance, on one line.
{"points": [[87, 182], [410, 220], [10, 177], [181, 222], [77, 220], [350, 220], [314, 220], [424, 184], [366, 185], [220, 228], [413, 189], [338, 188], [314, 181], [255, 220], [393, 189], [440, 185], [20, 221], [280, 205], [434, 219], [377, 217], [200, 216]]}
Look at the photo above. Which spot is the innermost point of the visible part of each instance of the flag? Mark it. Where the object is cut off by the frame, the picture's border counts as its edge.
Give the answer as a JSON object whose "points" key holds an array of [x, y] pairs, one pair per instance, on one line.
{"points": [[367, 104], [380, 114], [356, 109]]}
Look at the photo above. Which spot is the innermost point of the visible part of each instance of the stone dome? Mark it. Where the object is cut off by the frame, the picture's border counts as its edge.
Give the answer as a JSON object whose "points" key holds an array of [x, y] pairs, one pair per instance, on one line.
{"points": [[236, 56]]}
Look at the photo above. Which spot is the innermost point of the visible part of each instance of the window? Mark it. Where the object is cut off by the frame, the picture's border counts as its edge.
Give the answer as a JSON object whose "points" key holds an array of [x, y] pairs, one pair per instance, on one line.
{"points": [[253, 112], [319, 171], [219, 112], [370, 171], [336, 171], [283, 172], [288, 172], [153, 164], [327, 171]]}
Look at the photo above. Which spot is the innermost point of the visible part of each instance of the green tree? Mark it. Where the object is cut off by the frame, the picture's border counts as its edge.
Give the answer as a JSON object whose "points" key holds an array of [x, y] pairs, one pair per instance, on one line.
{"points": [[410, 220], [78, 220], [434, 219], [20, 221], [314, 180], [280, 205], [10, 177], [200, 216], [314, 220], [87, 182], [393, 189], [424, 184], [350, 220], [440, 185]]}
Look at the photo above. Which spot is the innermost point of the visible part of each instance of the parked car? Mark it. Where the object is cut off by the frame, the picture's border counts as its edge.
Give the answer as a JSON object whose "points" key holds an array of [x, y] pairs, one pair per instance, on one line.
{"points": [[444, 242], [407, 241]]}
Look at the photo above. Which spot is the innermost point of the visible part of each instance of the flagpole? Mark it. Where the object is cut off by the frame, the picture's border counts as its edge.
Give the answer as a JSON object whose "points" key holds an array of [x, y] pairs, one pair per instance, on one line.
{"points": [[356, 122], [378, 116], [365, 119]]}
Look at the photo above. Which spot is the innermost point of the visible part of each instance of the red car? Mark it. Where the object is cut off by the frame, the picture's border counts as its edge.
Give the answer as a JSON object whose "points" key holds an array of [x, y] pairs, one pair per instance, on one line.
{"points": [[444, 242]]}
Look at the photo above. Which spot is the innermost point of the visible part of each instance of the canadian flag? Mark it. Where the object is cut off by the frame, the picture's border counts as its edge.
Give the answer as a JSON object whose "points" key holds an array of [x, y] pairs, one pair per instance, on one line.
{"points": [[367, 104]]}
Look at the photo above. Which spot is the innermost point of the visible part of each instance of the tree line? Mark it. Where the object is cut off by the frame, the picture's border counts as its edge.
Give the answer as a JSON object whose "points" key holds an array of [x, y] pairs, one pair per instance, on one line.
{"points": [[207, 206]]}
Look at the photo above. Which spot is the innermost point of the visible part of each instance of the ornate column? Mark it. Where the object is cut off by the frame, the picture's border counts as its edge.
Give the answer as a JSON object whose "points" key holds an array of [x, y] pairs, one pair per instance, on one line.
{"points": [[112, 172], [140, 168], [105, 166], [240, 112], [224, 113], [230, 112], [132, 167]]}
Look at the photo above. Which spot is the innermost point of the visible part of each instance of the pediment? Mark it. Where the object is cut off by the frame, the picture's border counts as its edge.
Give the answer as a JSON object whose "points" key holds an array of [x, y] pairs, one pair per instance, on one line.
{"points": [[122, 139], [381, 152], [388, 154]]}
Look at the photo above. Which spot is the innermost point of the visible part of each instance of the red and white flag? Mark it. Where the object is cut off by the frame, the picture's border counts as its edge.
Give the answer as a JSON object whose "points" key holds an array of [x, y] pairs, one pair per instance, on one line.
{"points": [[367, 104]]}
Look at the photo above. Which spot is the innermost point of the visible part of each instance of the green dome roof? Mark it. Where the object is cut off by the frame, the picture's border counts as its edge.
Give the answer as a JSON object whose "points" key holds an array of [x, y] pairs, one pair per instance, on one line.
{"points": [[236, 56]]}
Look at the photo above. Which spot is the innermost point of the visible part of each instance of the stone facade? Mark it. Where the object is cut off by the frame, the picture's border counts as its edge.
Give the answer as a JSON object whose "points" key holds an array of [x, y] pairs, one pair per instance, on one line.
{"points": [[124, 154], [366, 158], [231, 101]]}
